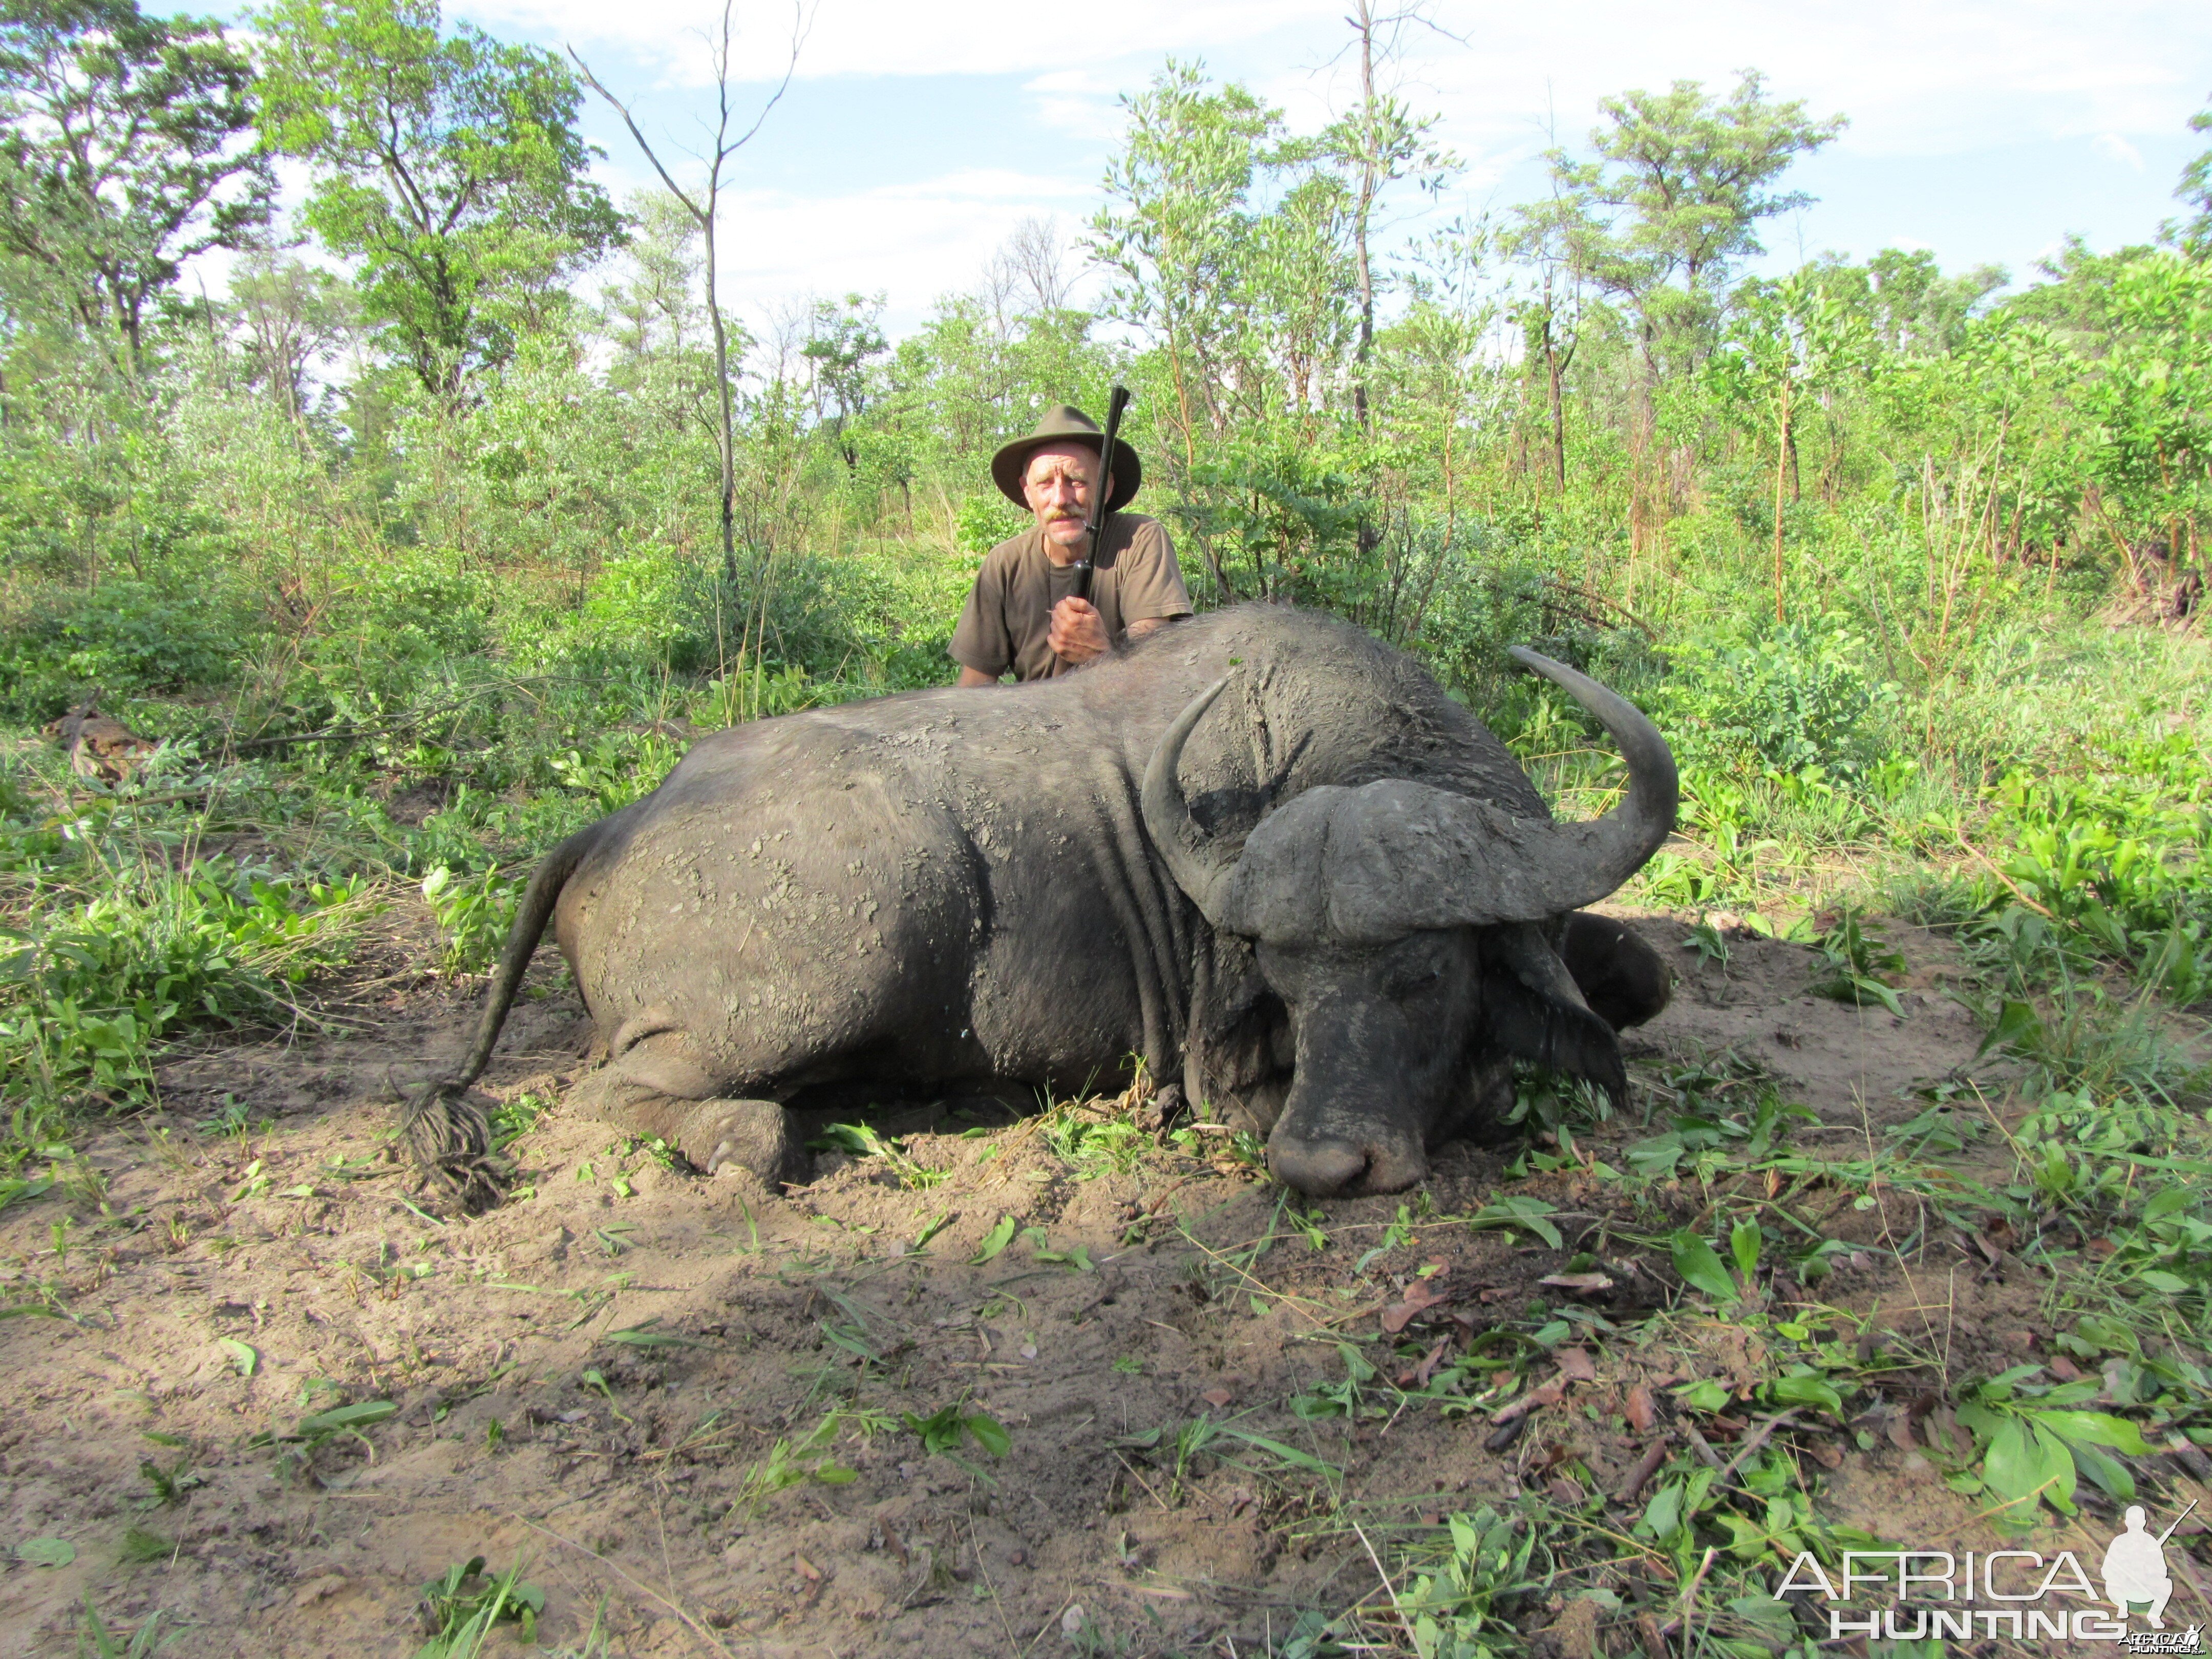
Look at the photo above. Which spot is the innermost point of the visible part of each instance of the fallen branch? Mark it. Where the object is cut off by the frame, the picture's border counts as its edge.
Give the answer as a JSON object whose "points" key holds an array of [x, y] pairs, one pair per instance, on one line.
{"points": [[696, 1628], [1960, 835], [1646, 1467]]}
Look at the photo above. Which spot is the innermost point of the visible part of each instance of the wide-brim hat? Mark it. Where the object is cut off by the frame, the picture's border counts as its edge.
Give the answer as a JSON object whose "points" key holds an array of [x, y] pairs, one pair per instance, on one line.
{"points": [[1065, 424]]}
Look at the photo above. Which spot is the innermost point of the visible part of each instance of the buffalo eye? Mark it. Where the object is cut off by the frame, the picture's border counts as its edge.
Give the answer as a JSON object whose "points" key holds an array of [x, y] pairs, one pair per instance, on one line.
{"points": [[1410, 979]]}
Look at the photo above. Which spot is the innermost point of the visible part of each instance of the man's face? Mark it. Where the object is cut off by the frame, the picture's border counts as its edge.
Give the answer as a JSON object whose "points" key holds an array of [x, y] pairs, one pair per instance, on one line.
{"points": [[1058, 486]]}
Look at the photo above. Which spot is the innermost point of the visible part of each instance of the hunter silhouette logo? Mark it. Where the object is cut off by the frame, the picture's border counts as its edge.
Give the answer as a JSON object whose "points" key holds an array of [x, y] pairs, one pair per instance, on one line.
{"points": [[1936, 1593], [2134, 1566]]}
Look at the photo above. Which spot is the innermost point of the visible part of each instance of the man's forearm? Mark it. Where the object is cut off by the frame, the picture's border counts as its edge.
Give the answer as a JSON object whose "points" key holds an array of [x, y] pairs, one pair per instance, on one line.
{"points": [[976, 677], [1143, 626]]}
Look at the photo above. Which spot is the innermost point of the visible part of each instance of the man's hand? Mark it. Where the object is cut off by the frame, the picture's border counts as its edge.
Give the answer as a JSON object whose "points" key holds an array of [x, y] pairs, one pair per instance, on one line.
{"points": [[1078, 633]]}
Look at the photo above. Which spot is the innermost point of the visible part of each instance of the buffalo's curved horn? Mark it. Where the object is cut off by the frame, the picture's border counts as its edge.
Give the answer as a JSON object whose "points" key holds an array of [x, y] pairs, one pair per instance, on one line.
{"points": [[1608, 851], [1182, 843], [1365, 865]]}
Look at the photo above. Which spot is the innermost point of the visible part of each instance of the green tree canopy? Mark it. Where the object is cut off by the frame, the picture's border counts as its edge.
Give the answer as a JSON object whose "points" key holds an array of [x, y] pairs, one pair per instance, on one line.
{"points": [[123, 155], [450, 167], [1672, 202], [2195, 189]]}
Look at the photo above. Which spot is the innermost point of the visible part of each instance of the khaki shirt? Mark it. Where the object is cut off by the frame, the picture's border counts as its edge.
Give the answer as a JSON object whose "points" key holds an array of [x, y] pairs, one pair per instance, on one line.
{"points": [[1009, 610]]}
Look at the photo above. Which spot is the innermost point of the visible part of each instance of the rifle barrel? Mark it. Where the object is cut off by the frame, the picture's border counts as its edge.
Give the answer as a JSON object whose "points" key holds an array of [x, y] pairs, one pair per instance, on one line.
{"points": [[2178, 1520], [1096, 526]]}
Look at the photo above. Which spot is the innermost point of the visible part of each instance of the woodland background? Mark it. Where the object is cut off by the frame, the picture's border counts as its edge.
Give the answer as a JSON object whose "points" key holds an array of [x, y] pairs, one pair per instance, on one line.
{"points": [[435, 533]]}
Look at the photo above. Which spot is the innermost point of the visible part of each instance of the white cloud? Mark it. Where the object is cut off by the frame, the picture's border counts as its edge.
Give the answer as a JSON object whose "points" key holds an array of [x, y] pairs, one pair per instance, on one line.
{"points": [[912, 242], [1920, 79], [2114, 148], [874, 37], [1914, 77]]}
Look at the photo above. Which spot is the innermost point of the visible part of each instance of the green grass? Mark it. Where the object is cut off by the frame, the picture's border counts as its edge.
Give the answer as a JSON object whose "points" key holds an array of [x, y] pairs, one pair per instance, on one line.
{"points": [[2037, 802]]}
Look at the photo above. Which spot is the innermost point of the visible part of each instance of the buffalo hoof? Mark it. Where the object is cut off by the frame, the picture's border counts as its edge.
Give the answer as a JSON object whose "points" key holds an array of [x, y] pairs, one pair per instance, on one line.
{"points": [[753, 1135]]}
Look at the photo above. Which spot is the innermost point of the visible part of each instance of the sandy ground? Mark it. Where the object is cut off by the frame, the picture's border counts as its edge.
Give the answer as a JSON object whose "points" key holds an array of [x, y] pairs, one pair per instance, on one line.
{"points": [[627, 1474]]}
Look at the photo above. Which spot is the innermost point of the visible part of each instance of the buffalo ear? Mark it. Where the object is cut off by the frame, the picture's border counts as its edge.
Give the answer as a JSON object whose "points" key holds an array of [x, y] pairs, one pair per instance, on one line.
{"points": [[1534, 1012], [1622, 978]]}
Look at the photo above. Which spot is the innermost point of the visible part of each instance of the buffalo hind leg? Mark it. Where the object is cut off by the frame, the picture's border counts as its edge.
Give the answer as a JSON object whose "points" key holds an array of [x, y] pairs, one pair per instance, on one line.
{"points": [[712, 1134]]}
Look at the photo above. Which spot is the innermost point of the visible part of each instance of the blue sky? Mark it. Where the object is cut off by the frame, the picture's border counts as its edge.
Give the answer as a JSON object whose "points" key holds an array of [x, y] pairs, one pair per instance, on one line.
{"points": [[915, 137]]}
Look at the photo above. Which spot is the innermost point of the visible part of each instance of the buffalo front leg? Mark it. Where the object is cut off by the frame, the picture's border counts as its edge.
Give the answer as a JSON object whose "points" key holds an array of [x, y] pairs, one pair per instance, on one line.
{"points": [[713, 1135], [746, 1134]]}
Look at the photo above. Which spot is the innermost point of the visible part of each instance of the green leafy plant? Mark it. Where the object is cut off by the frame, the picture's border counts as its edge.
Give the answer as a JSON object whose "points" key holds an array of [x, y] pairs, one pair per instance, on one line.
{"points": [[474, 913], [1705, 1144], [94, 1639], [1347, 1398], [862, 1140], [1700, 1266], [1711, 945], [1853, 963], [170, 1484], [2034, 1441], [1801, 696], [946, 1431], [84, 997], [462, 1606], [1466, 1603], [1093, 1141], [311, 1433], [995, 1241], [1076, 1257], [1516, 1211], [791, 1461]]}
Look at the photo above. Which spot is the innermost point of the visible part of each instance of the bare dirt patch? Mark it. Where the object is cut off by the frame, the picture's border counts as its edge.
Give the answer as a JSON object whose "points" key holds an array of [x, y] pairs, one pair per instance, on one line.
{"points": [[594, 1379]]}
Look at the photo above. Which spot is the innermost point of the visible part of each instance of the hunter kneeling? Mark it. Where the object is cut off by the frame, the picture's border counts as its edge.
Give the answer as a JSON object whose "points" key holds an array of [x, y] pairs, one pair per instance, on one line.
{"points": [[1023, 614]]}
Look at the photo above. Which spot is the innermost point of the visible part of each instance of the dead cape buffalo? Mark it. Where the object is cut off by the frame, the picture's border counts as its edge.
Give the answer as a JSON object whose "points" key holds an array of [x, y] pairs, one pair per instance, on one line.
{"points": [[1261, 850]]}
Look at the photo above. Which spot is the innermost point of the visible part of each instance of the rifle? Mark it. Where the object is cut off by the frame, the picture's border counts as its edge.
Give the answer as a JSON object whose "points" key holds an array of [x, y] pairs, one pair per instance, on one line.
{"points": [[2178, 1520], [1097, 523]]}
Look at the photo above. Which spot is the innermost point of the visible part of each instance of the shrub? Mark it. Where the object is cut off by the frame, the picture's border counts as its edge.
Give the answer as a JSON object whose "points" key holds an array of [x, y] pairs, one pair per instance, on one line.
{"points": [[474, 912], [1803, 697], [122, 638], [985, 519], [2116, 858], [84, 995]]}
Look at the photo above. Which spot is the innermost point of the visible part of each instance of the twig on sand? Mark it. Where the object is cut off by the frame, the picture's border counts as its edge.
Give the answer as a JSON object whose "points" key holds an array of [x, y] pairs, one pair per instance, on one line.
{"points": [[653, 1595], [1990, 864], [1690, 1595], [1758, 1437], [998, 1606], [1389, 1588]]}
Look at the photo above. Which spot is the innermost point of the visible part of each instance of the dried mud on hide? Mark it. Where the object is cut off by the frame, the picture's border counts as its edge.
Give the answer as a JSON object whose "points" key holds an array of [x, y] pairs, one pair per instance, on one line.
{"points": [[594, 1379]]}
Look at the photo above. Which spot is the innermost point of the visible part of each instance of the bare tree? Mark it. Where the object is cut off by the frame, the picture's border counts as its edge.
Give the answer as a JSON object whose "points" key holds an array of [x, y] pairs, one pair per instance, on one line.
{"points": [[1379, 142], [289, 316], [702, 207], [1028, 274], [790, 320], [1034, 255], [1001, 284]]}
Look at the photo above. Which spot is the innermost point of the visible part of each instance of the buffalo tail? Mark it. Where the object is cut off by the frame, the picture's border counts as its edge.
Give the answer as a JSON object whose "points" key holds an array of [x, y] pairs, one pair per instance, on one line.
{"points": [[445, 1133]]}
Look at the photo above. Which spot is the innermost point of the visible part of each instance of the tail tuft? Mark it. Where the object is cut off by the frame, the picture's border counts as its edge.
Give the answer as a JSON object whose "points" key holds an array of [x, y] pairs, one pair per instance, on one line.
{"points": [[450, 1143]]}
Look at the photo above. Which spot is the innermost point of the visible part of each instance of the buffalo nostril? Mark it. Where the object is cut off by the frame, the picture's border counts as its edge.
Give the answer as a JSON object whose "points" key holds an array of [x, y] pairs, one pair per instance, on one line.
{"points": [[1391, 1170], [1318, 1169]]}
